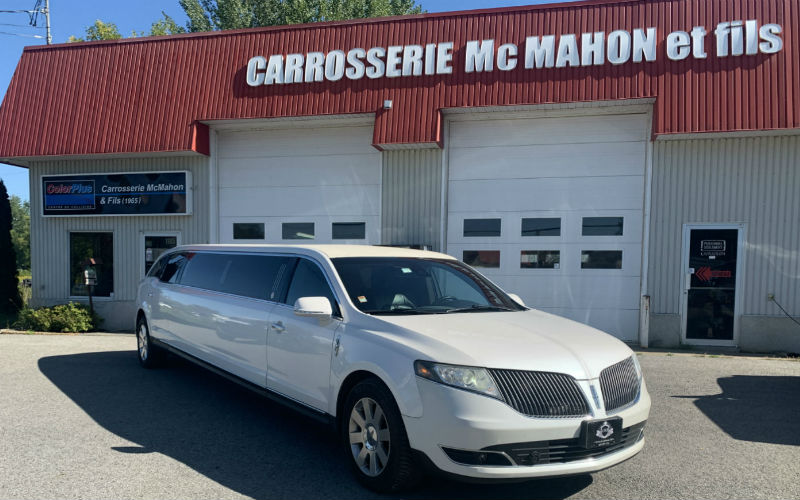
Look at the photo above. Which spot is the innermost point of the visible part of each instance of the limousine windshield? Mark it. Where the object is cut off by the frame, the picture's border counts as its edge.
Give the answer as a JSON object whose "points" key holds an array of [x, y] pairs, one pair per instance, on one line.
{"points": [[389, 285]]}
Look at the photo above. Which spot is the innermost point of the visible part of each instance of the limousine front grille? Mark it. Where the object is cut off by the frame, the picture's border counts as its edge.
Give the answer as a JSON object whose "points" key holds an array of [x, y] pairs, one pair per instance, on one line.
{"points": [[620, 384], [541, 394]]}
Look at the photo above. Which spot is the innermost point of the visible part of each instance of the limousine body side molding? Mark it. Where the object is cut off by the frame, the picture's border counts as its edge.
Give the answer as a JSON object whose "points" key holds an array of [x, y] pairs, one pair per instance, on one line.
{"points": [[308, 411]]}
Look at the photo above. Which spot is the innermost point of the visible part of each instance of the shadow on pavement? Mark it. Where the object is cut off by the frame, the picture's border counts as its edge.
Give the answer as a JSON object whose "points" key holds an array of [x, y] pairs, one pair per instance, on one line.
{"points": [[236, 438], [763, 409]]}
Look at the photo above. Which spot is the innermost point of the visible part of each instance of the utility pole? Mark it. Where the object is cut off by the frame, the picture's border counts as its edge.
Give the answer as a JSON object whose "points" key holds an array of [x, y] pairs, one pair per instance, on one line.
{"points": [[47, 19]]}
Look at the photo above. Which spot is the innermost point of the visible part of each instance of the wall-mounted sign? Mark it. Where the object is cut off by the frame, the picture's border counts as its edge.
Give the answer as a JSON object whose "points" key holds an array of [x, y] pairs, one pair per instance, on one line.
{"points": [[140, 193], [730, 39]]}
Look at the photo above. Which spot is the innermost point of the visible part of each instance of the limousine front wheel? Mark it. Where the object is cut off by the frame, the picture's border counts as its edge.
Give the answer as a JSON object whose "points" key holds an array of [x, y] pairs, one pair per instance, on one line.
{"points": [[375, 439], [149, 355]]}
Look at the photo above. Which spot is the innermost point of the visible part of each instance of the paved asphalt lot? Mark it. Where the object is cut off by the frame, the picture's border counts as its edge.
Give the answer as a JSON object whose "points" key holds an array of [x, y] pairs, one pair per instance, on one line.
{"points": [[80, 419]]}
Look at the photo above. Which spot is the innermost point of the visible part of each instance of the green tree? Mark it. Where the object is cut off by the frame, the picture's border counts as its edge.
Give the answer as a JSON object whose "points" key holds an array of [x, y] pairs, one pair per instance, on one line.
{"points": [[21, 231], [165, 26], [208, 15], [10, 300], [99, 31]]}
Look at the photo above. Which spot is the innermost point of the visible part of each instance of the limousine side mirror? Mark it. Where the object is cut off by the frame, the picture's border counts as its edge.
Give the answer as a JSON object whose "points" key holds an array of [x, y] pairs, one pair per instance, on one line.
{"points": [[516, 298], [313, 307]]}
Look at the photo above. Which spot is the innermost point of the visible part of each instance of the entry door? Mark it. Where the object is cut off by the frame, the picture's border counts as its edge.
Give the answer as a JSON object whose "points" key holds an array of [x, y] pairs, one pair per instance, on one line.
{"points": [[711, 263]]}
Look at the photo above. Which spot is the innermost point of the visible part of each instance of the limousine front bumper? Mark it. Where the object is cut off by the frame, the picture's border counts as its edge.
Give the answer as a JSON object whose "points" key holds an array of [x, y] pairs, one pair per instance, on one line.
{"points": [[474, 436]]}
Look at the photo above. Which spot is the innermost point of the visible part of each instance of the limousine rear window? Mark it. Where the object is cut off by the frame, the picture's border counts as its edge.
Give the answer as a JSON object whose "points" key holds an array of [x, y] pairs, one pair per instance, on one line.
{"points": [[389, 285]]}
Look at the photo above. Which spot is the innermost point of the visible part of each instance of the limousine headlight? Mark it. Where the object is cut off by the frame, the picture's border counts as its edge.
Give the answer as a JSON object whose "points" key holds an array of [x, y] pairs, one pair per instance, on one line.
{"points": [[638, 368], [467, 378]]}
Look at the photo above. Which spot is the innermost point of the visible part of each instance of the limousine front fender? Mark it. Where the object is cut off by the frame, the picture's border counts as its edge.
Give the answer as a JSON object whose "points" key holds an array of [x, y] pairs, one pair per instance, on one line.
{"points": [[363, 352]]}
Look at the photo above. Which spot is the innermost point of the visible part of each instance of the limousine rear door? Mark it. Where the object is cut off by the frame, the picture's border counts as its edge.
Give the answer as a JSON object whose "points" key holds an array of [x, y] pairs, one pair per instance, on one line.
{"points": [[299, 348]]}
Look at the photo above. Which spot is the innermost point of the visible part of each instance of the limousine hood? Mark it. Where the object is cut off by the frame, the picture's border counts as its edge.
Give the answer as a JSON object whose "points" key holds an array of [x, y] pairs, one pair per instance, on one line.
{"points": [[525, 340]]}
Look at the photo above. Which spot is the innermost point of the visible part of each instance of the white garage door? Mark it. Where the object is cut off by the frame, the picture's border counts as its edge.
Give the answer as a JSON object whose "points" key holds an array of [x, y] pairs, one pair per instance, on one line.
{"points": [[551, 209], [299, 184]]}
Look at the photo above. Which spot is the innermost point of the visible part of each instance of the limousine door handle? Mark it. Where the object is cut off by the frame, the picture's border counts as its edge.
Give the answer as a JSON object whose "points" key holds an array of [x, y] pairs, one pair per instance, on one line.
{"points": [[278, 326]]}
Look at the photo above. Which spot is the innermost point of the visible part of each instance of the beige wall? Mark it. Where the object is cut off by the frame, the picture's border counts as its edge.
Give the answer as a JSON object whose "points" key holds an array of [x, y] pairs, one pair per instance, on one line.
{"points": [[749, 180], [50, 235]]}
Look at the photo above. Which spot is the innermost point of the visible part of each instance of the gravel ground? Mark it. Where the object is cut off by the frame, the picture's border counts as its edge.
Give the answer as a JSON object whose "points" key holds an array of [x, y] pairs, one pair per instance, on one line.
{"points": [[80, 419]]}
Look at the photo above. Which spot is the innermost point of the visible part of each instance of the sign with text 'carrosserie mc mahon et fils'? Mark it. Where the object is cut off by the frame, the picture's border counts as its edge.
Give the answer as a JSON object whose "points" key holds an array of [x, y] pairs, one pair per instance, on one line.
{"points": [[140, 193]]}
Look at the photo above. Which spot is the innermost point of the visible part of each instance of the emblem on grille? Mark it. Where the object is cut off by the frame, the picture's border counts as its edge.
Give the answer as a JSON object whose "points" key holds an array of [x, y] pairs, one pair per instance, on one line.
{"points": [[605, 431]]}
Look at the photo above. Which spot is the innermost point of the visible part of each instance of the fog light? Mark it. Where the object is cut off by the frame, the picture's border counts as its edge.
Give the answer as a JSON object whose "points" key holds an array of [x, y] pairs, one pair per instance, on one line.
{"points": [[465, 457]]}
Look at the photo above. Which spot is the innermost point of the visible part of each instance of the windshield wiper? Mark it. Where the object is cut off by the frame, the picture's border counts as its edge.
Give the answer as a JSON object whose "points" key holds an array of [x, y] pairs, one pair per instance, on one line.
{"points": [[394, 311], [478, 308]]}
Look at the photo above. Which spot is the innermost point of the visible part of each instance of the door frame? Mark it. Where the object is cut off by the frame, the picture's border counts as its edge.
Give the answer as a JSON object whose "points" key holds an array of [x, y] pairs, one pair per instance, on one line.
{"points": [[145, 234], [686, 281]]}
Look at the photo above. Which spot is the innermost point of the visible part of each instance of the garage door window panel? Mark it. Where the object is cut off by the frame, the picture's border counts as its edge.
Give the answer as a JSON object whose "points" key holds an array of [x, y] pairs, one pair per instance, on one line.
{"points": [[482, 258], [96, 251], [248, 231], [474, 228], [540, 259], [297, 230], [601, 259], [550, 226], [602, 226], [349, 230]]}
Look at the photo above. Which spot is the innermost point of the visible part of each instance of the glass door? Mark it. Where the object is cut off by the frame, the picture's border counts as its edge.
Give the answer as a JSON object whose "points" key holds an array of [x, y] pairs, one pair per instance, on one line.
{"points": [[711, 257]]}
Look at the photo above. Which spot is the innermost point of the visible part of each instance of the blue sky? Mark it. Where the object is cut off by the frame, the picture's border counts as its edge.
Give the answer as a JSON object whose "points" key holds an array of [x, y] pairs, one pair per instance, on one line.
{"points": [[71, 17]]}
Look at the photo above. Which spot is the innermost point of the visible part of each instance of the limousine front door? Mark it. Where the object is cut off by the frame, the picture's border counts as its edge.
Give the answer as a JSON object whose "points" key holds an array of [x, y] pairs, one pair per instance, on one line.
{"points": [[299, 349]]}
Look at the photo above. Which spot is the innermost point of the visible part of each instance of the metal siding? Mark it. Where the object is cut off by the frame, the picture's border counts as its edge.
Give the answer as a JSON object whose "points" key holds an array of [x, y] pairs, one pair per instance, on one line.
{"points": [[411, 197], [751, 180], [50, 235], [143, 95]]}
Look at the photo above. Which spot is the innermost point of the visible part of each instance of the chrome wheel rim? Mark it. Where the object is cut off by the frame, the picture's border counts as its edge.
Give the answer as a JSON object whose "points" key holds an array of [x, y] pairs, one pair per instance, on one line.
{"points": [[368, 431], [142, 340]]}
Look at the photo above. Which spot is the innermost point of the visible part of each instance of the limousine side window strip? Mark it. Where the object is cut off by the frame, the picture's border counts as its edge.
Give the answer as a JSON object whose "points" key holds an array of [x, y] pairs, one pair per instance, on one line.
{"points": [[284, 287]]}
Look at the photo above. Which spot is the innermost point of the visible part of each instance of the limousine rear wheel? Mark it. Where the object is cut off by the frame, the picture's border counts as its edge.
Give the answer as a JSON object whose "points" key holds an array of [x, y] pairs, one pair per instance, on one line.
{"points": [[375, 439], [149, 355]]}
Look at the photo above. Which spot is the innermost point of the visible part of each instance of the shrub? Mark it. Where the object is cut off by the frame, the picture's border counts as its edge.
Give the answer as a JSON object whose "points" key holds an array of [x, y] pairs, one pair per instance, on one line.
{"points": [[66, 318]]}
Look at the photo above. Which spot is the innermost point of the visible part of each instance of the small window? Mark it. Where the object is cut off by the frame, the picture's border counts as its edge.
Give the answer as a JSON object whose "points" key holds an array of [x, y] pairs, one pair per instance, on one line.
{"points": [[541, 227], [602, 226], [308, 281], [540, 259], [349, 230], [297, 230], [482, 258], [173, 267], [248, 230], [481, 227], [601, 259], [95, 250]]}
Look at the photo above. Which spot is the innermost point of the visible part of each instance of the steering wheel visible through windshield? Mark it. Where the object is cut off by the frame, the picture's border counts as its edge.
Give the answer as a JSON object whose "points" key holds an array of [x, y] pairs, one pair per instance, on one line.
{"points": [[392, 285]]}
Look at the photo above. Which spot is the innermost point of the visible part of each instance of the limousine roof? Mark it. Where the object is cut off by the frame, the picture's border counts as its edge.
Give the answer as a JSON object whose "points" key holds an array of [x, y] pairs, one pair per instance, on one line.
{"points": [[330, 251]]}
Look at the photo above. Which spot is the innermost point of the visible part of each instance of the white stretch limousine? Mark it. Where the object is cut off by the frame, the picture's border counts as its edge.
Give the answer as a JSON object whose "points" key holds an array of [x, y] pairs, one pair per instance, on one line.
{"points": [[415, 357]]}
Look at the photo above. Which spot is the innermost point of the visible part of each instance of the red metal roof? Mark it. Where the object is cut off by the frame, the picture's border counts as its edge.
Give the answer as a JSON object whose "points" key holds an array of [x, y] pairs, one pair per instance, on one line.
{"points": [[149, 94]]}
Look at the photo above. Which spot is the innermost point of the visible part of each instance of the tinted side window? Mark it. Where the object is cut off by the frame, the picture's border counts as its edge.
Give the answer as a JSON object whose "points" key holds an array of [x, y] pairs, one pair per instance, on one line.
{"points": [[205, 270], [157, 268], [172, 268], [256, 276], [308, 281]]}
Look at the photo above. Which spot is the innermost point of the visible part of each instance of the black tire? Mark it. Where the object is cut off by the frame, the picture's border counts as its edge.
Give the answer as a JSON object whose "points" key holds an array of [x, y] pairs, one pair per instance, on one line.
{"points": [[399, 472], [149, 355]]}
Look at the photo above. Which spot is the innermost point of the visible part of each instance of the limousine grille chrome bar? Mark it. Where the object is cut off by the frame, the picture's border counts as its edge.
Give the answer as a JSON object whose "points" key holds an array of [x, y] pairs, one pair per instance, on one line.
{"points": [[620, 384], [541, 394]]}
